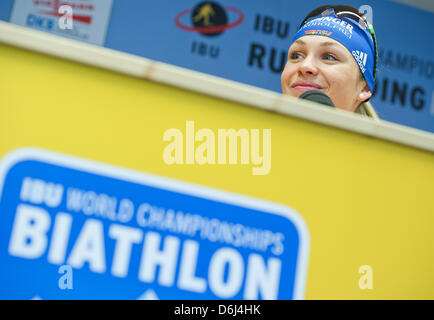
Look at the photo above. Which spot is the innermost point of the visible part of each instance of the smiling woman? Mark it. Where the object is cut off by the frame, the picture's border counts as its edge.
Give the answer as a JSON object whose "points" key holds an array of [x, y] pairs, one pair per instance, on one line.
{"points": [[334, 51]]}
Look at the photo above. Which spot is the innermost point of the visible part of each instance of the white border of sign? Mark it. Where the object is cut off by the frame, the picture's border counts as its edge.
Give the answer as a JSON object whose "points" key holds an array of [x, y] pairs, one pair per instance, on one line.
{"points": [[94, 167]]}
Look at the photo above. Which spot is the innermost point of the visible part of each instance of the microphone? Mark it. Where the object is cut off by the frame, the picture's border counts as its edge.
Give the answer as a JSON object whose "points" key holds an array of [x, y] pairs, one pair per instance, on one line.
{"points": [[318, 97]]}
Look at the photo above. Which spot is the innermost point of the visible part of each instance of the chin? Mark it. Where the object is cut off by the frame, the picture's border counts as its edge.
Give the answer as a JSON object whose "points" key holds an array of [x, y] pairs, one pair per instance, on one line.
{"points": [[295, 92], [291, 92]]}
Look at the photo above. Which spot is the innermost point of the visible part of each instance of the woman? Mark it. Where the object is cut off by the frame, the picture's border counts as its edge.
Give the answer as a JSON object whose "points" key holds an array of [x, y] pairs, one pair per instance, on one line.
{"points": [[334, 51]]}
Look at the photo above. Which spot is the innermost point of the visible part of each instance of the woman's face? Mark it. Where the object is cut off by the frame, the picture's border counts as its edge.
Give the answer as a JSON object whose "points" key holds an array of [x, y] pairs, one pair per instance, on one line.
{"points": [[321, 63]]}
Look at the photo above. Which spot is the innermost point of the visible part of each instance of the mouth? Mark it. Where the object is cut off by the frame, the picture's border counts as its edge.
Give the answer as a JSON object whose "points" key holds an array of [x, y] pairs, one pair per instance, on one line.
{"points": [[303, 86]]}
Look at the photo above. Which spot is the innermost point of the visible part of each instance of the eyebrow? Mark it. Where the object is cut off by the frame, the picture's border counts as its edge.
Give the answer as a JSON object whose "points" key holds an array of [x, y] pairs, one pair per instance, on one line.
{"points": [[323, 44]]}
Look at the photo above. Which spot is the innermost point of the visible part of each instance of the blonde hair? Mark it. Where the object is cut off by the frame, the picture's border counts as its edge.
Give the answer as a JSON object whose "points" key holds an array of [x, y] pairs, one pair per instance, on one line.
{"points": [[368, 110]]}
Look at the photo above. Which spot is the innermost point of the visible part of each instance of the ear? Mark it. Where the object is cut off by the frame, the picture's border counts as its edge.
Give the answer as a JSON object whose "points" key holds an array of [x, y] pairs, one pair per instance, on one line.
{"points": [[364, 94]]}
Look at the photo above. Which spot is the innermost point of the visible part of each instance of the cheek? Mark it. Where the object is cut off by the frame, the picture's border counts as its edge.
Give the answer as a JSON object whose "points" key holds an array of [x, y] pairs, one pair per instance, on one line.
{"points": [[335, 83], [341, 89], [286, 77], [340, 80]]}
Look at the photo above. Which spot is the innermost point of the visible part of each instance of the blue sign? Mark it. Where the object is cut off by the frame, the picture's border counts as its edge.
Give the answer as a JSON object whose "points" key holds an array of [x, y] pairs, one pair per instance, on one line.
{"points": [[75, 229]]}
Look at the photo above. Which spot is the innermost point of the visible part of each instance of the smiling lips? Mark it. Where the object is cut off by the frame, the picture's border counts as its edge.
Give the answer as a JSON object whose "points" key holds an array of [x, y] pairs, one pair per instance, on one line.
{"points": [[305, 86]]}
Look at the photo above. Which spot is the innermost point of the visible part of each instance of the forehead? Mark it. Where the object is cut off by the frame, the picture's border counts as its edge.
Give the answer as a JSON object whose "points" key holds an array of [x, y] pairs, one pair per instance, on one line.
{"points": [[318, 41]]}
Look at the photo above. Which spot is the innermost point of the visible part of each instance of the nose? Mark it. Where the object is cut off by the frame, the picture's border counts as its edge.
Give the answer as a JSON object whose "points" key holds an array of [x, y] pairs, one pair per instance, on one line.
{"points": [[308, 67]]}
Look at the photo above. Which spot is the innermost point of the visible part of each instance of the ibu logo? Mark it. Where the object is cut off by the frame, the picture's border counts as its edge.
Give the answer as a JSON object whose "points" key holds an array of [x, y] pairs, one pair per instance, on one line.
{"points": [[209, 19]]}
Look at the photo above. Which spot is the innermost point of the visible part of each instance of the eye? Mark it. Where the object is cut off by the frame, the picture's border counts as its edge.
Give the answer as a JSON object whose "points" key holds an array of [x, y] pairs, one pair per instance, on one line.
{"points": [[330, 57], [295, 56]]}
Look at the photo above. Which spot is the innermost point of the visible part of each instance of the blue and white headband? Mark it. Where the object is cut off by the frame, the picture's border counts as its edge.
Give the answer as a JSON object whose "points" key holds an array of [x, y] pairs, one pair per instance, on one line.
{"points": [[350, 34]]}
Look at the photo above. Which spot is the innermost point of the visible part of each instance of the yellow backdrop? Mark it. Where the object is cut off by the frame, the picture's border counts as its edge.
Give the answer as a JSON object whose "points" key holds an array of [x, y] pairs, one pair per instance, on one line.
{"points": [[365, 201]]}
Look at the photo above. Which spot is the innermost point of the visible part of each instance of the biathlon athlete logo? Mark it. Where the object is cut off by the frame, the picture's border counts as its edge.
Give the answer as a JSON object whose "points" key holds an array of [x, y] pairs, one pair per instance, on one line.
{"points": [[209, 19]]}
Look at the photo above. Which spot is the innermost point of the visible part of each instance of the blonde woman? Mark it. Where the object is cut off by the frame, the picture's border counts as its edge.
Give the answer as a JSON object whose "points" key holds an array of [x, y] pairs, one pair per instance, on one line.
{"points": [[335, 52]]}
